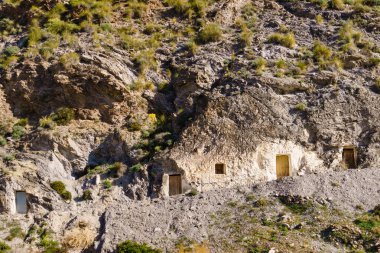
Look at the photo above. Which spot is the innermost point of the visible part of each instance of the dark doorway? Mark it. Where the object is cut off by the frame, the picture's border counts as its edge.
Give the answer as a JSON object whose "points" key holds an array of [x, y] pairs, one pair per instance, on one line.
{"points": [[348, 157], [175, 185], [220, 168]]}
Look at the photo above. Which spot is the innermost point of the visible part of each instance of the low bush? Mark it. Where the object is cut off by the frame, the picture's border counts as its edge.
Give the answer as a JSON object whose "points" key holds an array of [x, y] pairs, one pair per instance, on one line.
{"points": [[321, 52], [15, 232], [12, 50], [286, 40], [87, 195], [3, 142], [134, 247], [66, 195], [18, 132], [22, 122], [107, 184], [63, 116], [300, 107], [47, 122], [210, 33], [70, 59], [259, 64], [4, 247], [58, 186], [136, 167]]}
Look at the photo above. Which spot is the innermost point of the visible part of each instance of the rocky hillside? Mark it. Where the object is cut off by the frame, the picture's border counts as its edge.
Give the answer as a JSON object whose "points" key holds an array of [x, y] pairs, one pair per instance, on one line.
{"points": [[101, 101]]}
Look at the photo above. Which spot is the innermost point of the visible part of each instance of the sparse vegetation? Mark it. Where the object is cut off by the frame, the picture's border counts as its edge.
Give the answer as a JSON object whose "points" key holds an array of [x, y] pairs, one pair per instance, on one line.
{"points": [[107, 184], [286, 40], [210, 33], [130, 246], [260, 65], [4, 247], [87, 195], [301, 106], [60, 188]]}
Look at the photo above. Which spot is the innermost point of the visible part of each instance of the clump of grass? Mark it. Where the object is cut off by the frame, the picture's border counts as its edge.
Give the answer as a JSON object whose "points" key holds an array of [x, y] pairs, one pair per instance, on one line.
{"points": [[301, 107], [319, 19], [136, 167], [87, 195], [15, 232], [286, 40], [144, 60], [191, 47], [9, 158], [117, 169], [107, 184], [337, 4], [210, 33], [261, 202], [63, 116], [259, 64], [3, 142], [377, 84], [130, 246], [18, 132], [70, 59], [4, 247], [321, 53], [47, 122]]}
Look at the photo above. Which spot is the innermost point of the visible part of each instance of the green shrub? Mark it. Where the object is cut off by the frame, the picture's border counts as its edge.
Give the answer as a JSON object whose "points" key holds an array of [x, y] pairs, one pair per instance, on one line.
{"points": [[9, 158], [376, 210], [337, 4], [144, 60], [63, 116], [35, 33], [117, 169], [301, 107], [319, 19], [12, 50], [259, 64], [136, 9], [321, 52], [70, 59], [136, 167], [210, 33], [180, 6], [4, 247], [191, 47], [107, 184], [66, 195], [47, 122], [58, 186], [286, 40], [261, 202], [15, 232], [22, 122], [87, 195], [3, 142], [18, 132], [134, 247]]}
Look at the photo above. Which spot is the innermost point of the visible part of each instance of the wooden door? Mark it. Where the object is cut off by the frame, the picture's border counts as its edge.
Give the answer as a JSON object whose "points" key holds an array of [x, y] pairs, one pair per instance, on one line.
{"points": [[349, 158], [175, 185], [282, 166]]}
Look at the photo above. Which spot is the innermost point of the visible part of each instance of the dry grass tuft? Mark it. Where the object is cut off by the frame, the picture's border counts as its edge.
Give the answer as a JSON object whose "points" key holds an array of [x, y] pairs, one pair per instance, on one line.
{"points": [[80, 237]]}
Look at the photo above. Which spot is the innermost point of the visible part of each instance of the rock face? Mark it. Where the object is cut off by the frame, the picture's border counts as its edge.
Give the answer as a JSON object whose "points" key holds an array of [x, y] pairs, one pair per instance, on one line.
{"points": [[184, 97]]}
